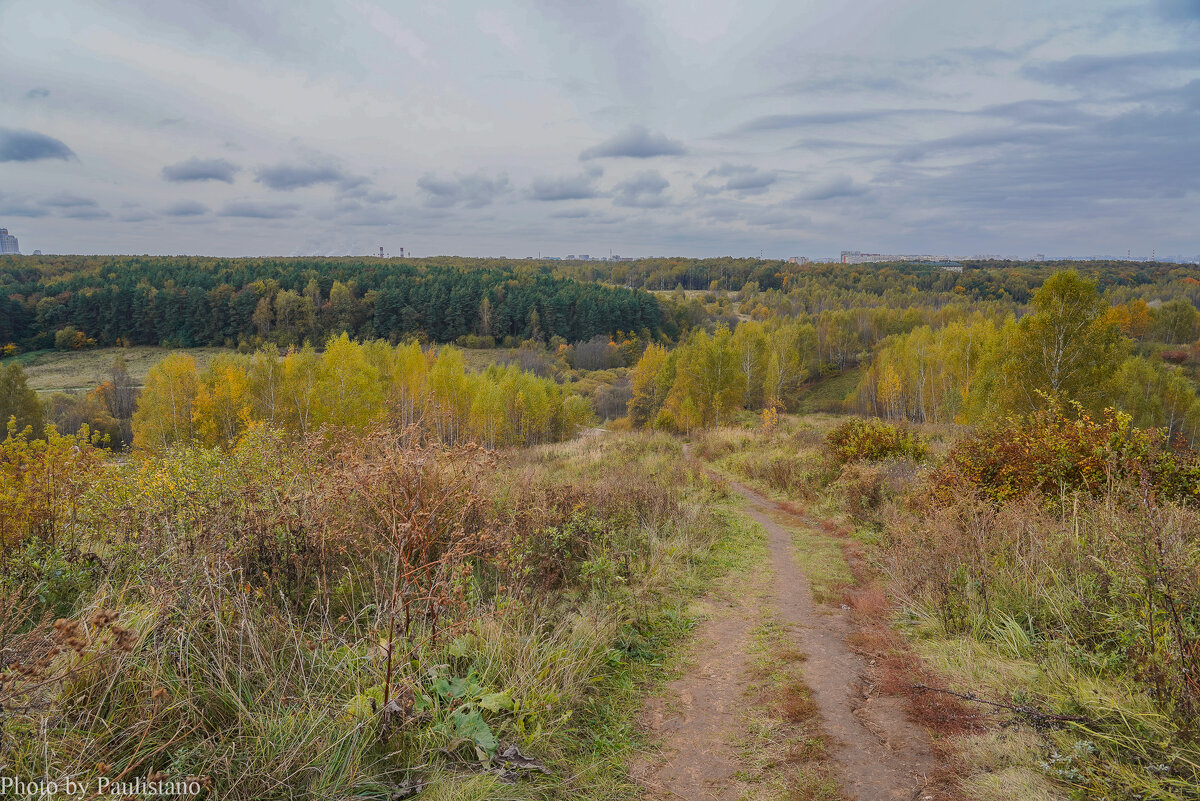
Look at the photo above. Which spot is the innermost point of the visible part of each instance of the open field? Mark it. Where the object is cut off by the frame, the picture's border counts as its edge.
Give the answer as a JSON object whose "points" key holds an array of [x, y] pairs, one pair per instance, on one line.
{"points": [[60, 371], [48, 371]]}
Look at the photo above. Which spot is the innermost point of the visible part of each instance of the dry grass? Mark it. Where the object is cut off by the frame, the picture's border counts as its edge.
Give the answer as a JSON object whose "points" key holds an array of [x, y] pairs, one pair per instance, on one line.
{"points": [[61, 371], [784, 753], [258, 589]]}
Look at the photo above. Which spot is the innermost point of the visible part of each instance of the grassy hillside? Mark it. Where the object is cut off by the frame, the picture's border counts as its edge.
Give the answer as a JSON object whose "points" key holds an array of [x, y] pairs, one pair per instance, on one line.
{"points": [[273, 659]]}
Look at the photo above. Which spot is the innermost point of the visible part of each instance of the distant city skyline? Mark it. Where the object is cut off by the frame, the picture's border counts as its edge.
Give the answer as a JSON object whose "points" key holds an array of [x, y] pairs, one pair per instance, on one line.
{"points": [[9, 245], [523, 126]]}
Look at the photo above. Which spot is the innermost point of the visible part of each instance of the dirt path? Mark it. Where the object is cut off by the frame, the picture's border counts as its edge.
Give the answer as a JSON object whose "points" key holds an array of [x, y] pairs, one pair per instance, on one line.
{"points": [[878, 753], [699, 721]]}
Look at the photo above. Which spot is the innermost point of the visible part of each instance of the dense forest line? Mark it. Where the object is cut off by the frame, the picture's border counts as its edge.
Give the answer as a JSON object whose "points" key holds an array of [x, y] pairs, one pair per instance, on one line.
{"points": [[978, 280], [185, 302], [935, 345]]}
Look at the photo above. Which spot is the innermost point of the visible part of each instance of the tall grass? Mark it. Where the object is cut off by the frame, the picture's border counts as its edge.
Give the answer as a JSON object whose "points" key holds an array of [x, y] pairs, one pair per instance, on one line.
{"points": [[1102, 595], [1082, 602], [341, 621]]}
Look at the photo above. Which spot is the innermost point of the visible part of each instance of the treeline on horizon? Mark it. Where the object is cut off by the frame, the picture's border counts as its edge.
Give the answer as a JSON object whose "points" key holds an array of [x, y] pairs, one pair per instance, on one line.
{"points": [[188, 302], [979, 280]]}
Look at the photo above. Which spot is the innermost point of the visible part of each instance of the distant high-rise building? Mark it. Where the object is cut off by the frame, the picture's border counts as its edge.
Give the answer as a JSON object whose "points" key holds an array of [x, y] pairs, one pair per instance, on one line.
{"points": [[8, 244]]}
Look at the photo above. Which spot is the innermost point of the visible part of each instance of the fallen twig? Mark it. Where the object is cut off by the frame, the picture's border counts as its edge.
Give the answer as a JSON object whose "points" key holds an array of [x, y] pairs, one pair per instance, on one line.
{"points": [[1036, 716]]}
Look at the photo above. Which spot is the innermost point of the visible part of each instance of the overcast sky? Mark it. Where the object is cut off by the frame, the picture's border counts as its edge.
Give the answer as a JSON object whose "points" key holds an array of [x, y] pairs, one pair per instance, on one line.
{"points": [[518, 127]]}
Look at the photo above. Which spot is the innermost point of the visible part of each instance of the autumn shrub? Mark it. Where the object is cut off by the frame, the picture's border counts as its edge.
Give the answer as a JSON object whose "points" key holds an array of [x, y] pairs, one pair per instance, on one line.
{"points": [[713, 444], [863, 489], [1104, 587], [42, 486], [1052, 452], [796, 474], [1072, 543], [1175, 356], [787, 460], [871, 439], [564, 532]]}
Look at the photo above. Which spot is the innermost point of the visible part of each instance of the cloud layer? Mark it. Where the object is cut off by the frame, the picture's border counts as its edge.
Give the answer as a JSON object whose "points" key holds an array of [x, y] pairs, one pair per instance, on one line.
{"points": [[1065, 127]]}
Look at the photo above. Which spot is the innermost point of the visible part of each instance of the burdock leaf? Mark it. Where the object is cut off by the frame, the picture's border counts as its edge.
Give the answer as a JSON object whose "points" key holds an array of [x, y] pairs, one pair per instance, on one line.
{"points": [[470, 724], [494, 702]]}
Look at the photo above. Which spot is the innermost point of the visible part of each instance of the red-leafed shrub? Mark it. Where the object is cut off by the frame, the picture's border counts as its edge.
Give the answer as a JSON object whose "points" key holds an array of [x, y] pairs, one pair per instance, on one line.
{"points": [[1175, 356]]}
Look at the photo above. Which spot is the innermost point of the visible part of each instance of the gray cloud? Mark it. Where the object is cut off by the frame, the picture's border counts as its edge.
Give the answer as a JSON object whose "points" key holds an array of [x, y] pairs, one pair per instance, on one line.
{"points": [[287, 177], [21, 210], [264, 26], [197, 169], [636, 142], [472, 191], [777, 218], [186, 208], [22, 145], [1113, 72], [644, 190], [744, 179], [839, 187], [1046, 112], [844, 84], [570, 214], [375, 217], [1017, 128], [1179, 10], [85, 213], [1102, 172], [618, 40], [971, 140], [259, 210], [68, 201], [569, 187], [367, 195], [783, 122]]}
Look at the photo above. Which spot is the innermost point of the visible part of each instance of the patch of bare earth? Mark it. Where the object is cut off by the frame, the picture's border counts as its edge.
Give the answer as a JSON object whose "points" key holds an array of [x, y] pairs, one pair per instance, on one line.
{"points": [[697, 718], [877, 749]]}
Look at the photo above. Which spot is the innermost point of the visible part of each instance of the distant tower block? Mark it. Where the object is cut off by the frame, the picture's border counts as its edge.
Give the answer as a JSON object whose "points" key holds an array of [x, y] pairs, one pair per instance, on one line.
{"points": [[8, 244]]}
